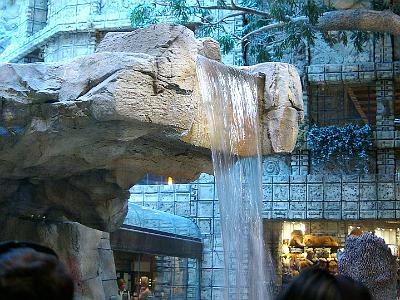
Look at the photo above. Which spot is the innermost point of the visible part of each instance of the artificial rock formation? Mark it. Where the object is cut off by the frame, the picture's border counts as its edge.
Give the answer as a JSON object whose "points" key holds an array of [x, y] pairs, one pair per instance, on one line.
{"points": [[85, 252], [367, 259], [76, 134]]}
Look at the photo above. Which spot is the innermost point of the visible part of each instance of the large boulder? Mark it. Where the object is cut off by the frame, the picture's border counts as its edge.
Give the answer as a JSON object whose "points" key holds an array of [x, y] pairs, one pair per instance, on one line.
{"points": [[75, 135]]}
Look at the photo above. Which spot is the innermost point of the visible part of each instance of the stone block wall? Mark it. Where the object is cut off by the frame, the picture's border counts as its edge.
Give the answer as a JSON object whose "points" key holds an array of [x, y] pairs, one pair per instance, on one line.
{"points": [[322, 53], [69, 45], [197, 201], [331, 197], [64, 28], [176, 278], [355, 72], [297, 197]]}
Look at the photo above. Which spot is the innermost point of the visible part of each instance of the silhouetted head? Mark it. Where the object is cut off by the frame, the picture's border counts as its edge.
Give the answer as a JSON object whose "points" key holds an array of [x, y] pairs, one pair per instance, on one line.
{"points": [[30, 271], [316, 284]]}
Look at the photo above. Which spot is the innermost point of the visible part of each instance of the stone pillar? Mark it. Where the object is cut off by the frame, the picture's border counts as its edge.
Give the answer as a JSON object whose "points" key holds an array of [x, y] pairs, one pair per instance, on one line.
{"points": [[273, 243], [37, 16], [86, 252], [299, 163], [385, 105]]}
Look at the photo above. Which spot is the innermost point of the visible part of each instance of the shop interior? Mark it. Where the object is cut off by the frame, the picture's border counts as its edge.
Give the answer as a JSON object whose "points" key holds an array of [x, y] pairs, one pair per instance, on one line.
{"points": [[132, 267], [306, 243]]}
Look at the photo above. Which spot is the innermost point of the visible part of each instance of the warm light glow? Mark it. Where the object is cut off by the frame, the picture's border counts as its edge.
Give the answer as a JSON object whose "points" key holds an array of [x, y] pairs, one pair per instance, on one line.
{"points": [[285, 249], [170, 182]]}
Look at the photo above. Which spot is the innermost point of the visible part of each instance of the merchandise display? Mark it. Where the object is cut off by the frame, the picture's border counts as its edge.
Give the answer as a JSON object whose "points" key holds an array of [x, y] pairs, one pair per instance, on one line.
{"points": [[363, 250], [303, 251]]}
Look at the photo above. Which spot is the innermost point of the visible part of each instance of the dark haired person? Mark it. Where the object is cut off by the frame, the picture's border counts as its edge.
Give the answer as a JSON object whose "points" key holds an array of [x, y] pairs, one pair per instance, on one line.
{"points": [[316, 284], [32, 272]]}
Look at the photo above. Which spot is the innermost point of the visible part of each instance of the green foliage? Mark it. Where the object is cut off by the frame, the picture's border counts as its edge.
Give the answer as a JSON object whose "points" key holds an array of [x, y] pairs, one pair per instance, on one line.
{"points": [[380, 4], [360, 38], [341, 144], [301, 142], [227, 43], [272, 45], [143, 15]]}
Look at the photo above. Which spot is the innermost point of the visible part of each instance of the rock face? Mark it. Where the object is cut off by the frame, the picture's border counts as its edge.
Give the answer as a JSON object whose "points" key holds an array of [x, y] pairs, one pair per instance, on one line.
{"points": [[86, 252], [368, 259], [75, 135], [282, 107]]}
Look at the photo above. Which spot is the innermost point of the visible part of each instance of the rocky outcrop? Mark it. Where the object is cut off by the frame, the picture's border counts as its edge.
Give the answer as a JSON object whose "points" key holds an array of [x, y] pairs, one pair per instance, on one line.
{"points": [[85, 252], [282, 106], [368, 259], [75, 135]]}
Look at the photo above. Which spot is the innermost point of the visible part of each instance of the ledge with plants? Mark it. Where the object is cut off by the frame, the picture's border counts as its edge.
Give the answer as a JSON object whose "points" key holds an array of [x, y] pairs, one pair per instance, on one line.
{"points": [[342, 144]]}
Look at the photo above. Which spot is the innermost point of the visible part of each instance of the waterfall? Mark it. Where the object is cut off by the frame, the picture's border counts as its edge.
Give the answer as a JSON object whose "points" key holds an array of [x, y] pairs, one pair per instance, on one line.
{"points": [[231, 103]]}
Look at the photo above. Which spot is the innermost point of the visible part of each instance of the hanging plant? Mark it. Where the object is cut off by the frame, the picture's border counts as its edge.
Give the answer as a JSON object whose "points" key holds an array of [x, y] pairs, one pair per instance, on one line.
{"points": [[301, 143], [343, 144]]}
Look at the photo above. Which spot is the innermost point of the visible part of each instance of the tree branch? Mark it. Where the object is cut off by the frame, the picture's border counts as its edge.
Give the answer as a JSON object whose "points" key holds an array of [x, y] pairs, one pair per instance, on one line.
{"points": [[349, 19], [272, 26], [228, 16], [246, 10], [263, 29], [360, 19]]}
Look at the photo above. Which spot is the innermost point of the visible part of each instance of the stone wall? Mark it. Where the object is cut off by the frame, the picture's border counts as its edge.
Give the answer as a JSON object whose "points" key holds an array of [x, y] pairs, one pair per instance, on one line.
{"points": [[332, 197], [64, 28], [307, 197], [177, 278], [197, 201], [322, 53], [68, 45]]}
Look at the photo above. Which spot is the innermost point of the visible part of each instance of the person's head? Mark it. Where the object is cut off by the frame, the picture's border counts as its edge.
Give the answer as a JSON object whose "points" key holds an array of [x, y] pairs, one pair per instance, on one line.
{"points": [[314, 283], [121, 284], [30, 271], [144, 281]]}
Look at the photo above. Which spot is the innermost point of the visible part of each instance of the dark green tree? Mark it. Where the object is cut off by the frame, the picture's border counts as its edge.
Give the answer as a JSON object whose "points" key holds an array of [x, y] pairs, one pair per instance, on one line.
{"points": [[272, 27]]}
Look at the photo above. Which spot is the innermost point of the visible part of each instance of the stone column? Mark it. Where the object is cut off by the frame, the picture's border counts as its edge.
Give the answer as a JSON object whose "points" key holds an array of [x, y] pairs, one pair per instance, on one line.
{"points": [[385, 106], [86, 252], [273, 243]]}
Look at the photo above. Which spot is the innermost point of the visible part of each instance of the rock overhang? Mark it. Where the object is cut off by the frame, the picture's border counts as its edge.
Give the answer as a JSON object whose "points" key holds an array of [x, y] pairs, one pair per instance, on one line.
{"points": [[109, 118]]}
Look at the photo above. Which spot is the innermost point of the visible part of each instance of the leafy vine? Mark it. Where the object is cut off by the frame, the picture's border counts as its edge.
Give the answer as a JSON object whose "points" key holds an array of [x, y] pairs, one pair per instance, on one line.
{"points": [[343, 144]]}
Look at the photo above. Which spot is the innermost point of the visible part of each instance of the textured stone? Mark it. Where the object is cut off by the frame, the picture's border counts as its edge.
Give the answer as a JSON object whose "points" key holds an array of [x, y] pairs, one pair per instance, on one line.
{"points": [[88, 128], [283, 106], [86, 252], [368, 259], [209, 48], [74, 121]]}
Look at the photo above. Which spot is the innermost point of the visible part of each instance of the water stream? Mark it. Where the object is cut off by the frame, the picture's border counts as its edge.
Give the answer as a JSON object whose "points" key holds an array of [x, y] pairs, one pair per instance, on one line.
{"points": [[230, 98]]}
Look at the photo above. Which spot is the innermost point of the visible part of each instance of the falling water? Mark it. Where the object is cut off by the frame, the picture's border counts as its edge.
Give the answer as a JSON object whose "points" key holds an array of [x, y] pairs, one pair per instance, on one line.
{"points": [[230, 99]]}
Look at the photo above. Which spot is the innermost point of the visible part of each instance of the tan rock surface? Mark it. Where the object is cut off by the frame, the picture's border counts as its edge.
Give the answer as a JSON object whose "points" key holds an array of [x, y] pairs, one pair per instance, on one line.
{"points": [[109, 118], [282, 109]]}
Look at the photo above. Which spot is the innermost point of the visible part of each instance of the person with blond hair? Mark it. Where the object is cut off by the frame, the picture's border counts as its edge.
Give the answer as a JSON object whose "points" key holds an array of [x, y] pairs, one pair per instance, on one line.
{"points": [[122, 291], [144, 288]]}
